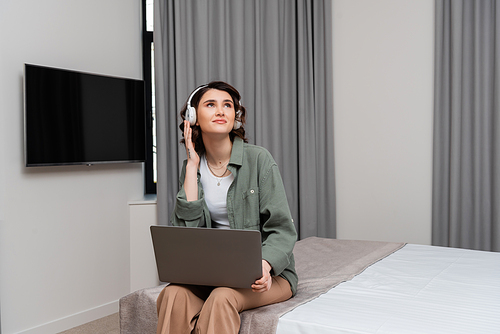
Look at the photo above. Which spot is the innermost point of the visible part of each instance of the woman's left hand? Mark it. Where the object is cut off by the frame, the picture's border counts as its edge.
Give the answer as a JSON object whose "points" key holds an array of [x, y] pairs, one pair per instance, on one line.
{"points": [[264, 283]]}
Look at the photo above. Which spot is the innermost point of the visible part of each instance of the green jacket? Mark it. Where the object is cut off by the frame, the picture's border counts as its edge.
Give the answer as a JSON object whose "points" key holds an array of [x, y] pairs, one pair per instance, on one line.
{"points": [[256, 200]]}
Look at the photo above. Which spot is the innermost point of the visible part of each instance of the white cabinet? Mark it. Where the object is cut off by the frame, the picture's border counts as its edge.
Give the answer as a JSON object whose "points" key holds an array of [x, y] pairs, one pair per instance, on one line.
{"points": [[143, 273]]}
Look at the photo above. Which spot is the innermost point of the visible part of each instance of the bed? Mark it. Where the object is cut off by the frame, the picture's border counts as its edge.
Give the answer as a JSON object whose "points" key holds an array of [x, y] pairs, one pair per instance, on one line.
{"points": [[367, 287]]}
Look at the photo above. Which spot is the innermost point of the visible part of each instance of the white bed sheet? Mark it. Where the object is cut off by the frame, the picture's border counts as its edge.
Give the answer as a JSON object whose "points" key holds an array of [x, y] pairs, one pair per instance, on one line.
{"points": [[418, 289]]}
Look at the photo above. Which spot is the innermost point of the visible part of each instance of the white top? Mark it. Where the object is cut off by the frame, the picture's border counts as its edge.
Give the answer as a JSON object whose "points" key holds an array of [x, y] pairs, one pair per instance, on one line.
{"points": [[215, 189]]}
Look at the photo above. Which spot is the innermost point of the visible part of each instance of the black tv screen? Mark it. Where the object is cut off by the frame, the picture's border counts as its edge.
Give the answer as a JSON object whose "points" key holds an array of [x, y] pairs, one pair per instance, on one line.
{"points": [[75, 118]]}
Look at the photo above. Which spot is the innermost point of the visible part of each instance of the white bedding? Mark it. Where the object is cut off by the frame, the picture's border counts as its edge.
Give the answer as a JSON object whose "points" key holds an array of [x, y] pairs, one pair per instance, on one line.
{"points": [[418, 289]]}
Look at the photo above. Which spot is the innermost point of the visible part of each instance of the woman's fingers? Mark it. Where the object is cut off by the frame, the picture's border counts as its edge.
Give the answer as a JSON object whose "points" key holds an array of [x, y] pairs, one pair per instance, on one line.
{"points": [[187, 132], [190, 150], [264, 283]]}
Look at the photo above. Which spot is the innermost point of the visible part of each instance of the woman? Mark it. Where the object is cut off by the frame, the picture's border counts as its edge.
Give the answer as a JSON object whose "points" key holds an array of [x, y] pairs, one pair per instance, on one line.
{"points": [[227, 183]]}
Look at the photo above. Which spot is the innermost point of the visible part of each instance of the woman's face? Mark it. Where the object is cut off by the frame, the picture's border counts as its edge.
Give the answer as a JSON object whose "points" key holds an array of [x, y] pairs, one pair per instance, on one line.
{"points": [[215, 112]]}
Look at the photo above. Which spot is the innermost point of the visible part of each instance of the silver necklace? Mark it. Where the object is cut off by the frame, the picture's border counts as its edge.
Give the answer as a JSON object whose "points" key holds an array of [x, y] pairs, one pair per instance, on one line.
{"points": [[218, 177]]}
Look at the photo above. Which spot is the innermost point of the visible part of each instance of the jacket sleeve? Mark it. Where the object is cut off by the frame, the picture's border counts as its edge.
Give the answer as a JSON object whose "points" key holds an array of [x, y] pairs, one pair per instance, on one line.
{"points": [[190, 214], [279, 234]]}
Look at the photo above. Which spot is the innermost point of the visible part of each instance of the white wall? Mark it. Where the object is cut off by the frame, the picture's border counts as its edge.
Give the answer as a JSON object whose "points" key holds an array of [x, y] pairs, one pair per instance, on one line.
{"points": [[383, 104], [64, 231]]}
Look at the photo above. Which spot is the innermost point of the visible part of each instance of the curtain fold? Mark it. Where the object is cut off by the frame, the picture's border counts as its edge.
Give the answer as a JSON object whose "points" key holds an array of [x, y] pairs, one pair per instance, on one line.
{"points": [[278, 54], [466, 171]]}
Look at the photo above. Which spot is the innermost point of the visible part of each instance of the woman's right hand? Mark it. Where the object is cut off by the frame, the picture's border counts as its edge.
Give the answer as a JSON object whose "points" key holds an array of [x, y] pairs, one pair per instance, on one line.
{"points": [[193, 161], [192, 156]]}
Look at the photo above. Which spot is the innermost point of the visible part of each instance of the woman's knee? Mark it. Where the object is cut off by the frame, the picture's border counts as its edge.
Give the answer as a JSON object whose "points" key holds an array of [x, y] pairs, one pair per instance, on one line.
{"points": [[173, 292], [178, 292], [224, 297]]}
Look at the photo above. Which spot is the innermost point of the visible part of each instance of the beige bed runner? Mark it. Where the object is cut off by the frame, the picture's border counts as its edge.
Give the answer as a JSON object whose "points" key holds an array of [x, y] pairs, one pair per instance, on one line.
{"points": [[321, 264]]}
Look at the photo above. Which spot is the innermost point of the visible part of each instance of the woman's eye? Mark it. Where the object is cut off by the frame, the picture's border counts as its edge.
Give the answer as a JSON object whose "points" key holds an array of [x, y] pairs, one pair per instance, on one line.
{"points": [[228, 105]]}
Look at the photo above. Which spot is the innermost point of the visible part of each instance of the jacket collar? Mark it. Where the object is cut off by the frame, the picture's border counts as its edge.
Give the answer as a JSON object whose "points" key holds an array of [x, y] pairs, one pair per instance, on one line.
{"points": [[237, 152]]}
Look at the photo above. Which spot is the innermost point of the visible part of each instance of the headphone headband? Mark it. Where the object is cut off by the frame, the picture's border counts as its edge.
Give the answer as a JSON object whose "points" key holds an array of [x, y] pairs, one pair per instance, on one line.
{"points": [[192, 94]]}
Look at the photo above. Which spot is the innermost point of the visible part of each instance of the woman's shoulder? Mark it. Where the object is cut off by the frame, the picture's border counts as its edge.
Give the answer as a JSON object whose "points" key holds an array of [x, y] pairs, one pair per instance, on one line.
{"points": [[258, 154], [255, 149]]}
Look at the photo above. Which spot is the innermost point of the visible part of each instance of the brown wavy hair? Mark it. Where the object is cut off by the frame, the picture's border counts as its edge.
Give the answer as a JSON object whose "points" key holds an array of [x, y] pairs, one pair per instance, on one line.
{"points": [[195, 101]]}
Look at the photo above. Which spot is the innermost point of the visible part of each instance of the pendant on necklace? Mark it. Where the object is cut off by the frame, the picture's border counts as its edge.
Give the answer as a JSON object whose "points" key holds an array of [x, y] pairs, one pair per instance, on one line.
{"points": [[218, 183]]}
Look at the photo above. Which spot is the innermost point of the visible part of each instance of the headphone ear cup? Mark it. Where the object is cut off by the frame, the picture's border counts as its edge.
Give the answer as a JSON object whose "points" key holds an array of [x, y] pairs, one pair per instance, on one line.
{"points": [[237, 122], [191, 115]]}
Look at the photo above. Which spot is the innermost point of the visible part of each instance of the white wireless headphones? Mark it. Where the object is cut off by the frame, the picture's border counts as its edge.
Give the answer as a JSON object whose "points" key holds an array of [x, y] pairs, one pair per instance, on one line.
{"points": [[191, 111], [237, 122]]}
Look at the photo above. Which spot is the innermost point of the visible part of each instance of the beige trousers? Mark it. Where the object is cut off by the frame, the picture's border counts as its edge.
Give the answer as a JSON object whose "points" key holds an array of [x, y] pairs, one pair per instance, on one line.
{"points": [[185, 309]]}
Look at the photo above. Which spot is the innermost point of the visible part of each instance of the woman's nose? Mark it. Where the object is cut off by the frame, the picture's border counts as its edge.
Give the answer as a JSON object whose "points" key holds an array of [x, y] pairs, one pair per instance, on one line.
{"points": [[219, 111]]}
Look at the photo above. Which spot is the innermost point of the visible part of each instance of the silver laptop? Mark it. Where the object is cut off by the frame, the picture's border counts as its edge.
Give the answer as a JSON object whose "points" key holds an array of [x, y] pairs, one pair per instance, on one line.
{"points": [[207, 256]]}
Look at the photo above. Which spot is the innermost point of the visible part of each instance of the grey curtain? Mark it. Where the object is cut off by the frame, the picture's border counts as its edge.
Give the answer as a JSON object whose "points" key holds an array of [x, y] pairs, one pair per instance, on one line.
{"points": [[466, 173], [278, 54]]}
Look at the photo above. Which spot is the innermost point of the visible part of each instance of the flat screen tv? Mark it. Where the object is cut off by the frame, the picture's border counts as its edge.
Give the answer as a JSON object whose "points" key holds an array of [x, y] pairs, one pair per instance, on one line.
{"points": [[76, 118]]}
